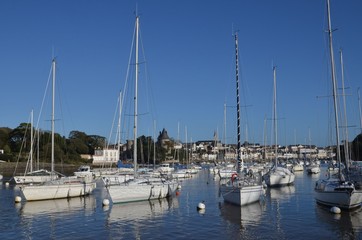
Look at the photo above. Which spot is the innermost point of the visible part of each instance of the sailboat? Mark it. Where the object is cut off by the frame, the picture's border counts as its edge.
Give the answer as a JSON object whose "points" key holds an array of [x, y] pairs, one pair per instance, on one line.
{"points": [[57, 188], [278, 175], [335, 190], [181, 171], [139, 188], [34, 176], [243, 188]]}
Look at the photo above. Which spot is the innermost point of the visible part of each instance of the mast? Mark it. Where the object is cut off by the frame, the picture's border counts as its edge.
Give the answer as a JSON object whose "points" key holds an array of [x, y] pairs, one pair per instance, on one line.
{"points": [[334, 83], [360, 111], [275, 125], [346, 147], [264, 138], [31, 141], [119, 127], [52, 120], [135, 103], [154, 144], [37, 149], [187, 151], [225, 146], [239, 163], [177, 151]]}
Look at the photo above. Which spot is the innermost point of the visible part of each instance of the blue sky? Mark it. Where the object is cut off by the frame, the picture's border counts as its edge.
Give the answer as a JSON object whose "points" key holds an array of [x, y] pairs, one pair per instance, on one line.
{"points": [[189, 51]]}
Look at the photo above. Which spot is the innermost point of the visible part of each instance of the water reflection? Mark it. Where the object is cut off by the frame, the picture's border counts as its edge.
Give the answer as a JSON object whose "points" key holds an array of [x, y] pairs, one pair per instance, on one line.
{"points": [[141, 210], [244, 216], [347, 225], [282, 194], [59, 206], [50, 218]]}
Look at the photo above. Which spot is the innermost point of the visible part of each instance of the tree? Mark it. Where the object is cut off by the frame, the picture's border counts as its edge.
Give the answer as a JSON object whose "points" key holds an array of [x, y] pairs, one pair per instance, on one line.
{"points": [[12, 141], [78, 146], [85, 144], [4, 137], [357, 148], [145, 149], [20, 136], [94, 142]]}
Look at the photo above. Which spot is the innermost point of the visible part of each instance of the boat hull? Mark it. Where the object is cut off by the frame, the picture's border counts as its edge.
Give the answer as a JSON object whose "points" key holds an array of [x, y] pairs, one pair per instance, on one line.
{"points": [[279, 177], [314, 170], [298, 168], [135, 190], [56, 190], [181, 174], [333, 193], [241, 195]]}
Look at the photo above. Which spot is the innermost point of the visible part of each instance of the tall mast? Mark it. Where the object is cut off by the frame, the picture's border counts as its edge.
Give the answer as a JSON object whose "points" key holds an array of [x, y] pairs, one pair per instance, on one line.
{"points": [[275, 125], [334, 82], [52, 121], [135, 103], [346, 147], [240, 164]]}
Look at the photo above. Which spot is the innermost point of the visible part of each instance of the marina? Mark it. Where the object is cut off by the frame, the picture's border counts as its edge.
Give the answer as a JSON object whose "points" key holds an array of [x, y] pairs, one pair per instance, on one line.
{"points": [[288, 212], [250, 180]]}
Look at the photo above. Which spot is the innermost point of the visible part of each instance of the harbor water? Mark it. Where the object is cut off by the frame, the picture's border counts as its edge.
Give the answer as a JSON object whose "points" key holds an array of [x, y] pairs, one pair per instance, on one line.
{"points": [[284, 213]]}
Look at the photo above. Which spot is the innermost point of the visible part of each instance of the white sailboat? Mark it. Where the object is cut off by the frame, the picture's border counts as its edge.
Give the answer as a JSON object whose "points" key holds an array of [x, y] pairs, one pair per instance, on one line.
{"points": [[278, 175], [59, 188], [335, 190], [313, 168], [242, 188], [34, 176], [140, 187]]}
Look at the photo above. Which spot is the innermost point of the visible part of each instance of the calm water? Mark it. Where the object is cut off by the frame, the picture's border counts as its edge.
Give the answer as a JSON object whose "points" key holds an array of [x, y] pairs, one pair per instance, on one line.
{"points": [[285, 213]]}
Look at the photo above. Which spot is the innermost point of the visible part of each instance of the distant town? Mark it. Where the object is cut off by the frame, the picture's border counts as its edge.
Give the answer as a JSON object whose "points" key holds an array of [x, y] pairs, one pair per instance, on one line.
{"points": [[79, 148], [215, 150]]}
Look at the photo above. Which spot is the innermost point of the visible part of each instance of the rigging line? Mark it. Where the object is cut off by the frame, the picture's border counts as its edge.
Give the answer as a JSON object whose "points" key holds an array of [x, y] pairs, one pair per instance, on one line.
{"points": [[60, 100], [44, 96], [21, 149], [149, 93], [127, 77], [114, 119]]}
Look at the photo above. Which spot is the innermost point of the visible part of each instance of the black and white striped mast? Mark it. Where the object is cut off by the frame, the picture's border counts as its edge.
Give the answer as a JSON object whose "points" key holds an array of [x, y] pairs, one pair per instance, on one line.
{"points": [[240, 164]]}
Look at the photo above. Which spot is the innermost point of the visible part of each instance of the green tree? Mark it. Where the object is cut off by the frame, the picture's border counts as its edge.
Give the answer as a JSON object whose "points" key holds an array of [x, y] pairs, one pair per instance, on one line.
{"points": [[19, 138], [4, 137], [94, 142], [145, 149], [78, 146], [357, 148], [85, 144]]}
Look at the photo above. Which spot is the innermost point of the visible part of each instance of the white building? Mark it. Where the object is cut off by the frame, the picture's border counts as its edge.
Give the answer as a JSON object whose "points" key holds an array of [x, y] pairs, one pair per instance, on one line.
{"points": [[105, 156]]}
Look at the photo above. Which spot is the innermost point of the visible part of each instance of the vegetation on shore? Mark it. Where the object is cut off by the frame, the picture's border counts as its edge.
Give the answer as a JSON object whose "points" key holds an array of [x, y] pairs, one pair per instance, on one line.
{"points": [[16, 146]]}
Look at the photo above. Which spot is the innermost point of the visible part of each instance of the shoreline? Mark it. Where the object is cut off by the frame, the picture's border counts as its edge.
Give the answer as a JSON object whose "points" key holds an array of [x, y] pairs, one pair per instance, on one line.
{"points": [[9, 169]]}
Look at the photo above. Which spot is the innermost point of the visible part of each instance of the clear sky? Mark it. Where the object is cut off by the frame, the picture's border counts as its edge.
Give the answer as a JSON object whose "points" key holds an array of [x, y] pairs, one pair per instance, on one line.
{"points": [[189, 51]]}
